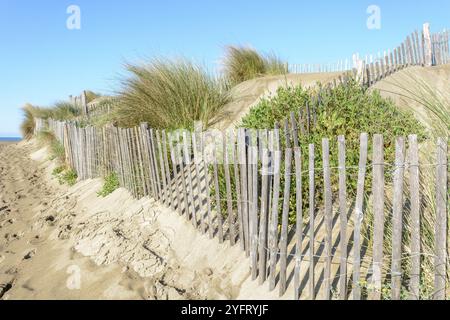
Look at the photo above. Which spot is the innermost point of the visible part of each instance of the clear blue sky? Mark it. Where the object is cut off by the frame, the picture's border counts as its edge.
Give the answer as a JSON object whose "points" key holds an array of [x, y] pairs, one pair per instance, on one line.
{"points": [[41, 61]]}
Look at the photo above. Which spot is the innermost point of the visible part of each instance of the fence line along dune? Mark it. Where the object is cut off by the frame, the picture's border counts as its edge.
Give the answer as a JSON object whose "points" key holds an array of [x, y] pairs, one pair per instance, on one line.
{"points": [[376, 229]]}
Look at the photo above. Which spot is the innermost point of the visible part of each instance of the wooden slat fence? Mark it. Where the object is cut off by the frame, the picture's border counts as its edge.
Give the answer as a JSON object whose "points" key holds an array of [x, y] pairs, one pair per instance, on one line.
{"points": [[418, 49], [238, 187]]}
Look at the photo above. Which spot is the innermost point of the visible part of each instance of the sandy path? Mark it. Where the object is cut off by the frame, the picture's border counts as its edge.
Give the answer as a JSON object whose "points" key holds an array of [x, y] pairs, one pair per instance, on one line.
{"points": [[58, 242], [35, 263]]}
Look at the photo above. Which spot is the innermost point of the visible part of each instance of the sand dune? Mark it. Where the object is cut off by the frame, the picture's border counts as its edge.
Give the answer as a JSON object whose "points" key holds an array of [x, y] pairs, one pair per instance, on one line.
{"points": [[58, 242], [248, 94]]}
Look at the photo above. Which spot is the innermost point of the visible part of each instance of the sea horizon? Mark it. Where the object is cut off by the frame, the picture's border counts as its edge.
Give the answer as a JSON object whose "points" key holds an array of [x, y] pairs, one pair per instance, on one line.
{"points": [[10, 139]]}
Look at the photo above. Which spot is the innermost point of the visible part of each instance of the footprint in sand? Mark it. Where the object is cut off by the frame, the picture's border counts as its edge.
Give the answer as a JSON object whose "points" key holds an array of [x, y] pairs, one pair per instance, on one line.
{"points": [[29, 255]]}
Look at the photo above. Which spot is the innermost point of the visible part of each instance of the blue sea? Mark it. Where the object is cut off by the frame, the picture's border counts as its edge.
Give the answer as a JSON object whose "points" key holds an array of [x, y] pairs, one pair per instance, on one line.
{"points": [[10, 139]]}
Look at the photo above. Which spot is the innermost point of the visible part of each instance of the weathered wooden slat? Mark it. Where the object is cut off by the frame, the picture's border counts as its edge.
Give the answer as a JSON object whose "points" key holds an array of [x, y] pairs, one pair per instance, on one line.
{"points": [[397, 219], [162, 173], [273, 231], [441, 233], [226, 166], [328, 216], [418, 48], [378, 211], [299, 221], [287, 134], [207, 190], [414, 189], [177, 174], [197, 160], [254, 212], [311, 282], [285, 219], [155, 167], [358, 217], [244, 187], [343, 219], [148, 159], [234, 156], [169, 192], [188, 161], [130, 163], [140, 147], [250, 143], [217, 194], [183, 176], [294, 128], [265, 194]]}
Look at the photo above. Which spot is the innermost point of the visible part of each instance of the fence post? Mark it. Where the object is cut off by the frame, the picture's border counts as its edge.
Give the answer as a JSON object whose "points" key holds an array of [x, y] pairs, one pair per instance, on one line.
{"points": [[378, 211], [299, 220], [440, 261], [254, 212], [312, 293], [235, 159], [285, 220], [327, 215], [343, 218], [397, 219], [428, 53], [264, 215], [217, 193], [414, 187], [273, 232]]}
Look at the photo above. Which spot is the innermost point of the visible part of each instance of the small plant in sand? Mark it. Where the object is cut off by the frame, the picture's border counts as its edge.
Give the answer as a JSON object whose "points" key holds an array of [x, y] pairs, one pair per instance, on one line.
{"points": [[110, 185], [69, 177]]}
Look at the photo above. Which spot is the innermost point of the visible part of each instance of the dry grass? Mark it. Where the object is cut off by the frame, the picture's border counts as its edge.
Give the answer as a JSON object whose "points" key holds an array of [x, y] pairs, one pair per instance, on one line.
{"points": [[243, 63], [170, 94]]}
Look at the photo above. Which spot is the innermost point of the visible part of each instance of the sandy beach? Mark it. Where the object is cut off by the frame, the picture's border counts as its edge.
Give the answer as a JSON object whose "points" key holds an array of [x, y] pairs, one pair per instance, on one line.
{"points": [[58, 242]]}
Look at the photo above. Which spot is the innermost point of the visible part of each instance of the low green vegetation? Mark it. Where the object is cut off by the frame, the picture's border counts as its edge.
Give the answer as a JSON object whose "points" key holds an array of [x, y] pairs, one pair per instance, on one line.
{"points": [[65, 175], [110, 185], [242, 64], [70, 177], [345, 110], [170, 94]]}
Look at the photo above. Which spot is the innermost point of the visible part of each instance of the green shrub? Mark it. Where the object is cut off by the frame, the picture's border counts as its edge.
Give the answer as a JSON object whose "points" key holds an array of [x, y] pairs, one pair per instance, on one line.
{"points": [[110, 185], [171, 95], [242, 64], [345, 110]]}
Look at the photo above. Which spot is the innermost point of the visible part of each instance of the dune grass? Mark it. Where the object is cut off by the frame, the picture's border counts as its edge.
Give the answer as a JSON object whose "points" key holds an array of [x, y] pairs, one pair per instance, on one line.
{"points": [[436, 103], [27, 126], [243, 63], [170, 94], [60, 111]]}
